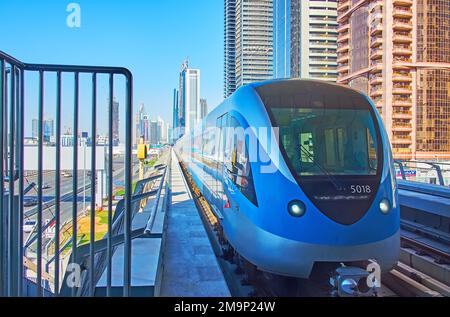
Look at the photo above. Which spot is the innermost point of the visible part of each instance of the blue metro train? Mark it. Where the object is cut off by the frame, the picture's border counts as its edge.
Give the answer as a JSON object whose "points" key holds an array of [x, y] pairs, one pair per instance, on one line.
{"points": [[299, 173]]}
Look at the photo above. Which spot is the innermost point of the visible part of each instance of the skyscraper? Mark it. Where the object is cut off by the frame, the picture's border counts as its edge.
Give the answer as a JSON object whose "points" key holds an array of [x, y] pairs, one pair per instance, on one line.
{"points": [[140, 125], [189, 98], [248, 42], [230, 48], [48, 129], [154, 133], [175, 117], [305, 39], [35, 129], [146, 128], [282, 38], [398, 52], [203, 108]]}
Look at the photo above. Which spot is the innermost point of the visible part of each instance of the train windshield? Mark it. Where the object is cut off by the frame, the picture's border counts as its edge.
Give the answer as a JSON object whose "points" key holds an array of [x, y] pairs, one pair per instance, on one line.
{"points": [[323, 141]]}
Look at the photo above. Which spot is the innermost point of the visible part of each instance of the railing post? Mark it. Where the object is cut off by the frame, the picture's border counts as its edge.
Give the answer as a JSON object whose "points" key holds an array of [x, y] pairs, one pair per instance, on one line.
{"points": [[402, 169], [75, 174], [40, 182], [93, 175], [57, 181], [2, 175], [439, 174], [109, 184], [128, 185], [20, 163]]}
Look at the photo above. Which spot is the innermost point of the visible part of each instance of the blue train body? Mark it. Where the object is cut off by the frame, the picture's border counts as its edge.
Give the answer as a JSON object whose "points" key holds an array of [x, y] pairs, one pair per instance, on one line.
{"points": [[344, 215]]}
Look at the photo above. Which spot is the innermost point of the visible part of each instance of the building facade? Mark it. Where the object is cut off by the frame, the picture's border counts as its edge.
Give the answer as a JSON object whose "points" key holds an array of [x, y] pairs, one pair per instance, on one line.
{"points": [[305, 39], [140, 124], [282, 38], [398, 52], [175, 117], [203, 108], [189, 99], [48, 129], [248, 42], [229, 47]]}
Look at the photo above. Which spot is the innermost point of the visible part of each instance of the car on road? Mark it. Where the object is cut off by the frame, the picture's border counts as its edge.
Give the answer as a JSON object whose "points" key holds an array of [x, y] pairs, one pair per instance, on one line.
{"points": [[46, 186], [29, 225], [29, 201], [66, 174]]}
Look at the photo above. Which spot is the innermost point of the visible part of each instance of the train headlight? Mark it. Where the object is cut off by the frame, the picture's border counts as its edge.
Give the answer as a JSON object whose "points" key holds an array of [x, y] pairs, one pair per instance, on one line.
{"points": [[296, 208], [385, 206], [349, 286]]}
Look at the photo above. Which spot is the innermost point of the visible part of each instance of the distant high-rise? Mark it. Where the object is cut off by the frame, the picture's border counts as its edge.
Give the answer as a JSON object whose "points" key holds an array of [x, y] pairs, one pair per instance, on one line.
{"points": [[203, 108], [175, 114], [145, 133], [48, 129], [189, 98], [248, 42], [305, 39], [140, 124], [35, 129], [398, 52], [162, 138]]}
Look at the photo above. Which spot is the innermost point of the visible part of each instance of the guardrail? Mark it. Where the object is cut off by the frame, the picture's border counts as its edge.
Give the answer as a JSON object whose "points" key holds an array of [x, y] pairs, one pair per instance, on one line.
{"points": [[104, 249], [434, 172], [12, 108]]}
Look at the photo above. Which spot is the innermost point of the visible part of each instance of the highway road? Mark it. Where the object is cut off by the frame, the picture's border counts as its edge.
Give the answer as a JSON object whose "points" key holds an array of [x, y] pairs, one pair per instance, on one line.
{"points": [[66, 187]]}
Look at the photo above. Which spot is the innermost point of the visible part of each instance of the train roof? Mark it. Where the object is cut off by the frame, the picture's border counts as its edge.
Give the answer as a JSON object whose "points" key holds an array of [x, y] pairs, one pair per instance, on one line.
{"points": [[277, 92]]}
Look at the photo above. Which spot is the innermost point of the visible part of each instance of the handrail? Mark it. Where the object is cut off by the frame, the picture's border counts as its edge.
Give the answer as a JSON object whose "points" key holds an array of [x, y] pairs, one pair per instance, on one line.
{"points": [[434, 165], [12, 106]]}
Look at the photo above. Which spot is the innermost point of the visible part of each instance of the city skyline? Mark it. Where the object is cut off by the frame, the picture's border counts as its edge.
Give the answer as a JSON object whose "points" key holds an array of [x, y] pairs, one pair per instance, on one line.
{"points": [[128, 25]]}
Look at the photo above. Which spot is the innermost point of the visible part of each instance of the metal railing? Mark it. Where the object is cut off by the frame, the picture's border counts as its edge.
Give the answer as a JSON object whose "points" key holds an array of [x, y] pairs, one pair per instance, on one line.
{"points": [[12, 105], [145, 189], [437, 173]]}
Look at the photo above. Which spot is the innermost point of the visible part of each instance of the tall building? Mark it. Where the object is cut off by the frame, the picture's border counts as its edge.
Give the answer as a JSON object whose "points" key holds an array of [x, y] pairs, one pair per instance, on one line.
{"points": [[175, 117], [398, 52], [248, 42], [282, 38], [154, 132], [35, 128], [162, 131], [230, 48], [203, 108], [48, 129], [189, 98], [145, 133], [140, 124], [305, 39]]}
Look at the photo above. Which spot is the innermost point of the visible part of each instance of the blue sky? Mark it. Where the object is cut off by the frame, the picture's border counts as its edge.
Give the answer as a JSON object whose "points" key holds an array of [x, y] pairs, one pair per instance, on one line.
{"points": [[150, 37]]}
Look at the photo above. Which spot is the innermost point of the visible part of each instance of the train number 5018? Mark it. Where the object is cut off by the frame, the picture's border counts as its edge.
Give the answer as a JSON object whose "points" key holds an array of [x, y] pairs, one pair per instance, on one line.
{"points": [[360, 189]]}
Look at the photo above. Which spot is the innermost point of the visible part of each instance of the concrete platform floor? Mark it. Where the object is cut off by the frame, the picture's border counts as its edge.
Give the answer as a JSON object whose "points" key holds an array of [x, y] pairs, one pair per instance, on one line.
{"points": [[190, 265]]}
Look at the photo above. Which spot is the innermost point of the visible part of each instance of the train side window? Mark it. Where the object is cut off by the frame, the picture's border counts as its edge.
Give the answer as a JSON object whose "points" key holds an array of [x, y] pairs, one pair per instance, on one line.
{"points": [[238, 165]]}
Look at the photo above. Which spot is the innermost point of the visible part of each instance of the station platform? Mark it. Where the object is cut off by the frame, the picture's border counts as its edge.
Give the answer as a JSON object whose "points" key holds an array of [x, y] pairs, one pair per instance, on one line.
{"points": [[190, 267]]}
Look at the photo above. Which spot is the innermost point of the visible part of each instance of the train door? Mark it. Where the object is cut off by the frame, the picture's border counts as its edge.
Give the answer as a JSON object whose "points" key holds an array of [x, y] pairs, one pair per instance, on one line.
{"points": [[219, 179]]}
